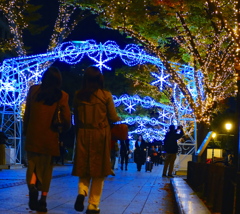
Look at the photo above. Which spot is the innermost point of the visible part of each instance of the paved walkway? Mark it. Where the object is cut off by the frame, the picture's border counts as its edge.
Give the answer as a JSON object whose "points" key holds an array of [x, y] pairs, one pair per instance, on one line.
{"points": [[129, 192]]}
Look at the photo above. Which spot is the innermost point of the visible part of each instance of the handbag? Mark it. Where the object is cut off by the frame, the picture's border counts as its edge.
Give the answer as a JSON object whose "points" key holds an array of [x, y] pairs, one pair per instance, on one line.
{"points": [[58, 120], [119, 132]]}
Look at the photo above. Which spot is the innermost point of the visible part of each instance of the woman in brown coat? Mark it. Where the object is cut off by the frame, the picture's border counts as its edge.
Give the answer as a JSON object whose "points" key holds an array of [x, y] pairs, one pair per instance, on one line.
{"points": [[41, 140], [93, 109]]}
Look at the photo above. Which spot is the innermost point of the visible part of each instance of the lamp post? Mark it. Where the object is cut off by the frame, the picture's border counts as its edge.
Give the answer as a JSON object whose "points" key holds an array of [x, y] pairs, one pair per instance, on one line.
{"points": [[213, 136], [228, 127]]}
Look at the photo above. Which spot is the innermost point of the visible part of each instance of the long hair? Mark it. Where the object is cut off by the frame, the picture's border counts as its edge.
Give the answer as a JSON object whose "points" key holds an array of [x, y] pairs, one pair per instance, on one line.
{"points": [[92, 81], [50, 91]]}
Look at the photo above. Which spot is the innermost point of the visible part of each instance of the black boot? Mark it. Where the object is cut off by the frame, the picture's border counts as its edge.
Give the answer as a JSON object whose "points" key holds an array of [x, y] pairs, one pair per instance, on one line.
{"points": [[42, 206], [79, 204], [33, 197]]}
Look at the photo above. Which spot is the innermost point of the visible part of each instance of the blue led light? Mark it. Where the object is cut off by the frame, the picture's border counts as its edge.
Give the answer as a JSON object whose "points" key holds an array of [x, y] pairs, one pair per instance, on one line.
{"points": [[18, 74], [159, 126], [161, 79]]}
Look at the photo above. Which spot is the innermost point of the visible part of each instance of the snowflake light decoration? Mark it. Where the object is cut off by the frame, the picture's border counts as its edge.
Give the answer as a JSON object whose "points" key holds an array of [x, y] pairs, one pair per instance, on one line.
{"points": [[161, 80], [163, 114], [18, 74], [158, 128]]}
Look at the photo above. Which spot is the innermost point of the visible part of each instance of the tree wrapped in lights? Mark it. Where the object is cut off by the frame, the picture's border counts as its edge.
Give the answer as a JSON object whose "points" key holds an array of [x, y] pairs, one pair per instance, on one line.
{"points": [[22, 15], [203, 34]]}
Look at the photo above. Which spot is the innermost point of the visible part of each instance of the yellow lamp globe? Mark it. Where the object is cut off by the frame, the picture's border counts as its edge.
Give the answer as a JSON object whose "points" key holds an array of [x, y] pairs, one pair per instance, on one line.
{"points": [[228, 126]]}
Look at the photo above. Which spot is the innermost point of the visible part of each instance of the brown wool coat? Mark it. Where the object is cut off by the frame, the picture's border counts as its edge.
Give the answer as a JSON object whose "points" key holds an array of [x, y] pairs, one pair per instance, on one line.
{"points": [[40, 138], [92, 155]]}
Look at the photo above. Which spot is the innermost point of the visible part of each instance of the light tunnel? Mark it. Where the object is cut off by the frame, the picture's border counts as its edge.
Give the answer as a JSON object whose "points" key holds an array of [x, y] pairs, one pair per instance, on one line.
{"points": [[18, 74]]}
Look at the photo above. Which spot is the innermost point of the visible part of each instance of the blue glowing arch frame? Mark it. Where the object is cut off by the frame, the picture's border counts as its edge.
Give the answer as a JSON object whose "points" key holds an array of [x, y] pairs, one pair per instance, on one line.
{"points": [[18, 74]]}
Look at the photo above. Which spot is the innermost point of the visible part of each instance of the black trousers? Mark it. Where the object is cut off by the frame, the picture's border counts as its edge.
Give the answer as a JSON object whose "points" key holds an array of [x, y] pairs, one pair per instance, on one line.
{"points": [[124, 159], [139, 166]]}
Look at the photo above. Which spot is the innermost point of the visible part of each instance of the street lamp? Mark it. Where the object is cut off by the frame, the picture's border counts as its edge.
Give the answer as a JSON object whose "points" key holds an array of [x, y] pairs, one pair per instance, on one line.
{"points": [[228, 126], [213, 137]]}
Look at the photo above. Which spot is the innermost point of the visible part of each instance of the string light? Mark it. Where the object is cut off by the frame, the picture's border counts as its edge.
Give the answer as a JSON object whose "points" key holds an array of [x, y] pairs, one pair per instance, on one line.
{"points": [[205, 34], [17, 74], [159, 125], [28, 69]]}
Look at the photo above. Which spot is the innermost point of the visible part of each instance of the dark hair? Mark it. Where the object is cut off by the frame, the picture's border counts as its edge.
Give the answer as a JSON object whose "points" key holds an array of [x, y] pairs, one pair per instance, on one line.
{"points": [[171, 127], [140, 136], [50, 91], [92, 81]]}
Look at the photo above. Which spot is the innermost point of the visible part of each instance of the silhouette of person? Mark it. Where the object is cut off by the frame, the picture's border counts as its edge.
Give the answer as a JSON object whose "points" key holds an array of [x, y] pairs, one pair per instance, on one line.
{"points": [[171, 148], [124, 152], [93, 109], [140, 152], [41, 142]]}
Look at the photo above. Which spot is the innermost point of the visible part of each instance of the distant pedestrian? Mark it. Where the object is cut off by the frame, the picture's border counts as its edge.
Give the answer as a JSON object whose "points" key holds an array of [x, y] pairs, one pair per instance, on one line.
{"points": [[140, 152], [63, 152], [154, 155], [124, 152], [93, 109], [41, 140], [171, 148], [159, 154]]}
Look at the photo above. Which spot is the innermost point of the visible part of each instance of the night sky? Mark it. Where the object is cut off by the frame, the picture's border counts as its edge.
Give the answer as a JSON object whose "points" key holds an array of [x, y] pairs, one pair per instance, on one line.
{"points": [[85, 30]]}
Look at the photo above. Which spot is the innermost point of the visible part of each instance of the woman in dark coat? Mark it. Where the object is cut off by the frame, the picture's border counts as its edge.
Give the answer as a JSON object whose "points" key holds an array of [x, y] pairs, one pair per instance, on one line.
{"points": [[41, 140], [93, 109], [140, 152]]}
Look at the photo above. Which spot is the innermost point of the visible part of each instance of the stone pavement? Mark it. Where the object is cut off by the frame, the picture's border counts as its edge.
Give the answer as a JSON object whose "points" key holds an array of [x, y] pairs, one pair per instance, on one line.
{"points": [[129, 192]]}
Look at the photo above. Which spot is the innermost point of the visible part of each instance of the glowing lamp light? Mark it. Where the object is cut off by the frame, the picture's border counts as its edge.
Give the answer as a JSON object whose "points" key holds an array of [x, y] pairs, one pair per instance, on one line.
{"points": [[228, 126], [214, 135]]}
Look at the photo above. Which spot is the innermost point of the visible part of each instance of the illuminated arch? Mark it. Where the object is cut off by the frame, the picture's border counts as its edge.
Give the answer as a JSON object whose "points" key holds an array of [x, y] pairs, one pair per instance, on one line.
{"points": [[166, 117], [17, 74]]}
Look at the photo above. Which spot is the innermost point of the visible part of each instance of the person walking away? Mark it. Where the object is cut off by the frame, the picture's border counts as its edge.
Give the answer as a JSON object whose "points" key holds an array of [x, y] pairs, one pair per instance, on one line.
{"points": [[41, 142], [153, 154], [63, 152], [171, 148], [124, 152], [159, 155], [140, 152], [93, 109]]}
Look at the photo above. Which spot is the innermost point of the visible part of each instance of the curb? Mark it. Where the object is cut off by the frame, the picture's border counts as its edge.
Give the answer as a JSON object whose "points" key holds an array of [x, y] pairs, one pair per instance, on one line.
{"points": [[186, 199]]}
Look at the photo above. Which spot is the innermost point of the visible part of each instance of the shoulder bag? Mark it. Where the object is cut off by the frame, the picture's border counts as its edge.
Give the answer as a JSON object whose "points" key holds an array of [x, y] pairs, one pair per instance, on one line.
{"points": [[58, 119]]}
